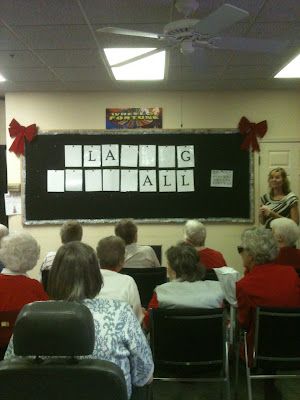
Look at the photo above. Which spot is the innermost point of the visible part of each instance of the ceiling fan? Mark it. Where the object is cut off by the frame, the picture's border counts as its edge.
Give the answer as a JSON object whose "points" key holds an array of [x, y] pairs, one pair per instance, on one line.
{"points": [[188, 34]]}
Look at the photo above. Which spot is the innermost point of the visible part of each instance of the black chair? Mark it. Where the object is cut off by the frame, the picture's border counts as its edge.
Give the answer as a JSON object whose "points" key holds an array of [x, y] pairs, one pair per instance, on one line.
{"points": [[189, 345], [45, 277], [146, 279], [276, 345], [53, 335], [210, 275], [157, 250]]}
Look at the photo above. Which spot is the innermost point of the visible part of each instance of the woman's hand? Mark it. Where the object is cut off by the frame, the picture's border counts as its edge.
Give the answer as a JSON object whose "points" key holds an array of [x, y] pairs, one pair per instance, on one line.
{"points": [[265, 211]]}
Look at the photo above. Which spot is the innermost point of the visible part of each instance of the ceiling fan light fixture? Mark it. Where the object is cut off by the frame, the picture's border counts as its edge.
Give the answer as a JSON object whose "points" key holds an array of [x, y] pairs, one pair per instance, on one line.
{"points": [[187, 47], [291, 70]]}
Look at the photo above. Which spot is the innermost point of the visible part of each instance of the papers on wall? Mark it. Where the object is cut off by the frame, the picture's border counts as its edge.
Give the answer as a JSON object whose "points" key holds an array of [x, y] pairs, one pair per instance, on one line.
{"points": [[73, 156], [55, 180], [12, 203], [130, 168], [73, 180], [221, 178], [147, 156], [93, 180]]}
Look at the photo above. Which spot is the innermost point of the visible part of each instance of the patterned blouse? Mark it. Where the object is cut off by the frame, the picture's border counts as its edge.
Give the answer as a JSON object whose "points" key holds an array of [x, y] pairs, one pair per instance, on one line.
{"points": [[119, 339], [282, 207]]}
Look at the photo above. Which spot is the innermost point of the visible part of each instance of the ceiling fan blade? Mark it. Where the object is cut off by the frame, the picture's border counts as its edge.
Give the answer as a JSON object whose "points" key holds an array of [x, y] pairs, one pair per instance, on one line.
{"points": [[249, 44], [137, 58], [129, 32], [220, 19]]}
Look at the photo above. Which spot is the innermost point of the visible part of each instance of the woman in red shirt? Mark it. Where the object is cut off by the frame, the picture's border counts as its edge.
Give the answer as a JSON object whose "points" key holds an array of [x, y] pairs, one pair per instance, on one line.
{"points": [[19, 253]]}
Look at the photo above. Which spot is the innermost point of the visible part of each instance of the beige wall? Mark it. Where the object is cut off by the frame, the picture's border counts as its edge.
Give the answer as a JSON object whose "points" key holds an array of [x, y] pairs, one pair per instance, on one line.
{"points": [[192, 110]]}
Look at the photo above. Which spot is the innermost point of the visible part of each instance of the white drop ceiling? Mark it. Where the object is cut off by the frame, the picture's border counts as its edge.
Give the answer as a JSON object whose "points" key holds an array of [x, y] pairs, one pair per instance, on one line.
{"points": [[52, 45]]}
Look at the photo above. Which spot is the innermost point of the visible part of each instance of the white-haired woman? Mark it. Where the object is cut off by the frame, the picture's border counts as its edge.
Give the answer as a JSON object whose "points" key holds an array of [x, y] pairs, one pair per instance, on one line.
{"points": [[266, 284], [287, 233], [3, 232], [195, 235], [19, 253]]}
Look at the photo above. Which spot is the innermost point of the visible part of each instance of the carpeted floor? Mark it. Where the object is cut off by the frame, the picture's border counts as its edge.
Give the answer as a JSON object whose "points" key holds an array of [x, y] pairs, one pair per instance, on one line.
{"points": [[290, 389]]}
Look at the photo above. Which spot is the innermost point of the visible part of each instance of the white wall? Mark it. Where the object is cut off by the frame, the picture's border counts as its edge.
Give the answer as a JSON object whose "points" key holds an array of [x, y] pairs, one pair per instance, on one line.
{"points": [[194, 110]]}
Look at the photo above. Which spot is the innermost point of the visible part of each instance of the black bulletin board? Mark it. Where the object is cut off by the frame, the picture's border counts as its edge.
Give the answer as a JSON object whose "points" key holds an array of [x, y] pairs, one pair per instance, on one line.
{"points": [[3, 184], [214, 150]]}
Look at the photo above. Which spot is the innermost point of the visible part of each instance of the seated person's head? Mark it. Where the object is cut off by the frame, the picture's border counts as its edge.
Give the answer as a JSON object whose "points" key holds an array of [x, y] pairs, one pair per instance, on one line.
{"points": [[75, 274], [111, 253], [71, 231], [285, 231], [126, 229], [19, 252], [184, 263], [3, 231], [258, 247], [194, 233]]}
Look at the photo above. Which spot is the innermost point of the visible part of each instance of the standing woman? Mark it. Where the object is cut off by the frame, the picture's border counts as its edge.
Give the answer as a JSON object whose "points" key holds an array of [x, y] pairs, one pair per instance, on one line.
{"points": [[280, 201]]}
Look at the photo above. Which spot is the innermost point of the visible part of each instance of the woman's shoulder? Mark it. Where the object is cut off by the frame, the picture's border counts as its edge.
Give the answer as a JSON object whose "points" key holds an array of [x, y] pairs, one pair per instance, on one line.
{"points": [[265, 198], [291, 196]]}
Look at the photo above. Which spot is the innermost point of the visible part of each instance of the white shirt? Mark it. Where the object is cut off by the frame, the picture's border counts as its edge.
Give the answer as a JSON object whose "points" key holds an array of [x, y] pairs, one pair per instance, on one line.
{"points": [[137, 256], [228, 277], [48, 261], [121, 287]]}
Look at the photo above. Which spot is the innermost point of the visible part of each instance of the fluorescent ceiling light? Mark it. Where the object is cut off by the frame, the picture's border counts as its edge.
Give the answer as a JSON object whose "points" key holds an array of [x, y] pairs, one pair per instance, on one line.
{"points": [[2, 79], [148, 68], [292, 70]]}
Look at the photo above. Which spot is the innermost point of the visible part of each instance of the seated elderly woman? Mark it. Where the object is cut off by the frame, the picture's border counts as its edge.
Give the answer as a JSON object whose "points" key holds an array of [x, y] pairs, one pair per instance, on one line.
{"points": [[75, 276], [3, 232], [19, 253], [111, 253], [186, 287], [195, 235], [287, 233], [267, 283]]}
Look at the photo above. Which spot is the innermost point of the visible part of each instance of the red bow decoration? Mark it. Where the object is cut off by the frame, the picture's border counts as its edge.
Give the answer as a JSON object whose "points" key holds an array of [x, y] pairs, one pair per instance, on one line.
{"points": [[251, 132], [20, 132]]}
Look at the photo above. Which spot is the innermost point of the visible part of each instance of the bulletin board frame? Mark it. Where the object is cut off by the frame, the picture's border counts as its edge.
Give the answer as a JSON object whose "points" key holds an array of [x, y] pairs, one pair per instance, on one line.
{"points": [[215, 149]]}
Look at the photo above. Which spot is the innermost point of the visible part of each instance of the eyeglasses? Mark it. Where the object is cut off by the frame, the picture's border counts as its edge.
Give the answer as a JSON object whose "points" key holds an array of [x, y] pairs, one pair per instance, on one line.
{"points": [[240, 249]]}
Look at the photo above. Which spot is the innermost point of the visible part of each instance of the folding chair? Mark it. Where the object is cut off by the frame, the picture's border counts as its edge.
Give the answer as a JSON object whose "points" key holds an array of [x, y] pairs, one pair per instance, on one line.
{"points": [[189, 345], [50, 336], [276, 345]]}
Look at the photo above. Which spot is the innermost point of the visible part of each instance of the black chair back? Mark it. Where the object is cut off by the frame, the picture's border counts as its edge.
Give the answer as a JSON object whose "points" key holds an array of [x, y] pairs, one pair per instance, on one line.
{"points": [[210, 275], [146, 279], [186, 341], [64, 330], [276, 343], [157, 250], [45, 277]]}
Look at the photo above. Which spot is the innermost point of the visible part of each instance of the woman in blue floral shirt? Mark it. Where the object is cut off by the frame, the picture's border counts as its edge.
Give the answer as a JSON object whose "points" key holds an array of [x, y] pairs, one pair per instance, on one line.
{"points": [[75, 276]]}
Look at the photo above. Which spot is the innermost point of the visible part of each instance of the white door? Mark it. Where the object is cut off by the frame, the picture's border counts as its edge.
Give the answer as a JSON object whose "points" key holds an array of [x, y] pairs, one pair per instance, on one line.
{"points": [[280, 154]]}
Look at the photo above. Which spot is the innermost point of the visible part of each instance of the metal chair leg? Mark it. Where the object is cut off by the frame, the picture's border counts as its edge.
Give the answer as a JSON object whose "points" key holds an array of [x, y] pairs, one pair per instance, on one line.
{"points": [[249, 388]]}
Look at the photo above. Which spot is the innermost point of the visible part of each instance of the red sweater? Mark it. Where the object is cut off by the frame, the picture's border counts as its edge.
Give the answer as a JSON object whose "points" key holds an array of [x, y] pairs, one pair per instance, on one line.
{"points": [[211, 258], [15, 292], [266, 285]]}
